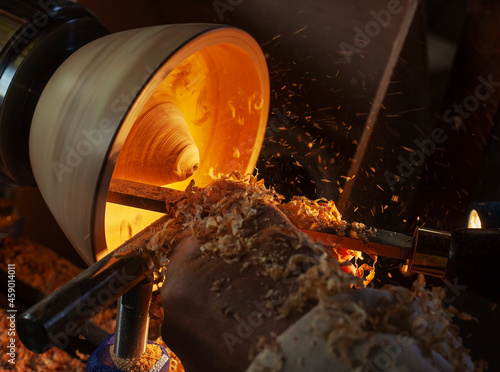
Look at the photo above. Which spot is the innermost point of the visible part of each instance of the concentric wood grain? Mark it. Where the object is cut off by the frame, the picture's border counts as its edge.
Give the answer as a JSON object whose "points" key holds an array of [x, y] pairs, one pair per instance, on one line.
{"points": [[87, 110]]}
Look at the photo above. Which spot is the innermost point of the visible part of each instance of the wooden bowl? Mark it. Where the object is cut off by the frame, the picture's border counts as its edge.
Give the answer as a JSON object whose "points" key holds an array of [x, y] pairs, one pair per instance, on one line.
{"points": [[218, 79]]}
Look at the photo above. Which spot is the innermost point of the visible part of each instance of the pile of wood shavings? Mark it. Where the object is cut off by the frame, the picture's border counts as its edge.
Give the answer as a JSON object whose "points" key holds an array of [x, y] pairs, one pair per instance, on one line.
{"points": [[215, 215], [175, 364], [323, 215]]}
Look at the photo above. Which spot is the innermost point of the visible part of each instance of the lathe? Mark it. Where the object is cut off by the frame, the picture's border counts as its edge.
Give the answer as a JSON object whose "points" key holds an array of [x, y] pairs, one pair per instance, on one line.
{"points": [[115, 129]]}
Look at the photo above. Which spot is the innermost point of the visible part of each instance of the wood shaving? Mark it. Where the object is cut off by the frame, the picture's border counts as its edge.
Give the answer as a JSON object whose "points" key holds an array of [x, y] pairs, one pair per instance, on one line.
{"points": [[143, 363], [215, 214], [36, 265], [52, 360]]}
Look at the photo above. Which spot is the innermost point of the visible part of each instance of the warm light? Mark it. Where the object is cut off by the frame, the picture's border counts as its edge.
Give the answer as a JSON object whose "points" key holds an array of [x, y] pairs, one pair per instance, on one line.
{"points": [[404, 268], [474, 220], [203, 120], [217, 83]]}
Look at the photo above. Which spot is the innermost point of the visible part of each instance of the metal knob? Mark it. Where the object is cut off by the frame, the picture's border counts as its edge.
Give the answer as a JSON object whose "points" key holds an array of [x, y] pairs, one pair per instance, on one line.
{"points": [[432, 249]]}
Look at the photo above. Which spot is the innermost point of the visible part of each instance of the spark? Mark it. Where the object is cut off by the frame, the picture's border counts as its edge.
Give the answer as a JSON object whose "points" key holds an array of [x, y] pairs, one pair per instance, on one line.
{"points": [[348, 178], [300, 30]]}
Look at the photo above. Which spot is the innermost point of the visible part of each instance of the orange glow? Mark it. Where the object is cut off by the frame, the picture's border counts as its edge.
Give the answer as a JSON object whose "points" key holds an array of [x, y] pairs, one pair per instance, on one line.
{"points": [[474, 220], [204, 120]]}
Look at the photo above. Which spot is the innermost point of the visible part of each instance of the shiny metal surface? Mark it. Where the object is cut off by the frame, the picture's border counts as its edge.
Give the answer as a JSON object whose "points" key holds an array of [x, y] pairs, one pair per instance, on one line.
{"points": [[132, 321], [9, 25], [35, 40], [432, 250], [380, 242]]}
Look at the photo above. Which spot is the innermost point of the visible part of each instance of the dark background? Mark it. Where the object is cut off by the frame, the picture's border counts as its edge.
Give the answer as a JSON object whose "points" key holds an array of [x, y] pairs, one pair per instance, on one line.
{"points": [[320, 106]]}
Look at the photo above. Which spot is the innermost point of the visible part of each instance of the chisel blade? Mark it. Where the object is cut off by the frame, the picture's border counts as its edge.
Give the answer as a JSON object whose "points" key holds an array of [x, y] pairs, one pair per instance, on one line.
{"points": [[380, 242]]}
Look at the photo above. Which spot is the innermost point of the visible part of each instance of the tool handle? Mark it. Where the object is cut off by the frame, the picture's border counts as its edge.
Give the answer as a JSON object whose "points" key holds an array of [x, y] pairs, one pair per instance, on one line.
{"points": [[59, 316], [474, 260]]}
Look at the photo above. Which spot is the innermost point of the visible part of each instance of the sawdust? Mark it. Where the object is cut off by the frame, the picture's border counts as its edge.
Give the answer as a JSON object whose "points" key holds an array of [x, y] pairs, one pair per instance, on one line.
{"points": [[214, 215], [143, 363], [25, 360], [217, 215]]}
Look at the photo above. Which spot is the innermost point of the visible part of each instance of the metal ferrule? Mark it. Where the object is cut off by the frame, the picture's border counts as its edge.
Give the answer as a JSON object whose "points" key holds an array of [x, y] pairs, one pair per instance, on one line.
{"points": [[432, 249]]}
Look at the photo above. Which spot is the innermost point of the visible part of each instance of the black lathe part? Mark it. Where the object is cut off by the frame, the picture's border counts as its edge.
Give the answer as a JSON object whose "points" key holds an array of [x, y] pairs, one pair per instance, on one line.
{"points": [[132, 321], [473, 262], [36, 37]]}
